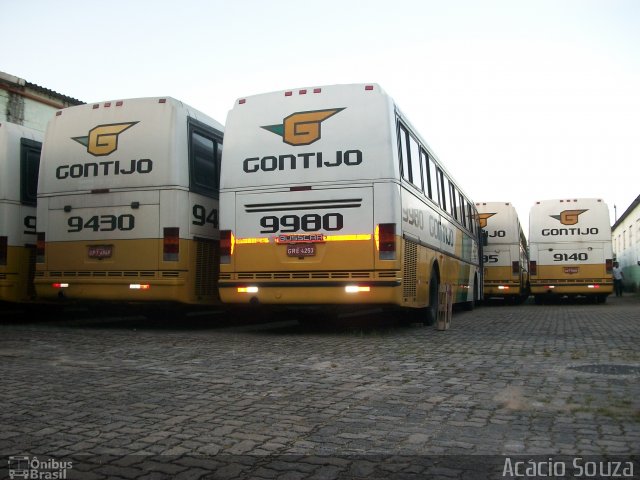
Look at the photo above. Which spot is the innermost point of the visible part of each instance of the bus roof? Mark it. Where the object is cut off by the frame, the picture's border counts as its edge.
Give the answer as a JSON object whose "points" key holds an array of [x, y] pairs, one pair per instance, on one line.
{"points": [[364, 120], [98, 145]]}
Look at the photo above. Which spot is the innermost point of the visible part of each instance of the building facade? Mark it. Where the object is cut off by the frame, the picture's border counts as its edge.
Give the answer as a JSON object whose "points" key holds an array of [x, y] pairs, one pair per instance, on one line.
{"points": [[626, 245], [28, 104]]}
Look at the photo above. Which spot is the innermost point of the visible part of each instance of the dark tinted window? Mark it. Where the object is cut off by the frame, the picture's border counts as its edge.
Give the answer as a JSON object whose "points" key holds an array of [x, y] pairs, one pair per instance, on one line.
{"points": [[414, 150], [205, 151], [29, 165], [404, 153]]}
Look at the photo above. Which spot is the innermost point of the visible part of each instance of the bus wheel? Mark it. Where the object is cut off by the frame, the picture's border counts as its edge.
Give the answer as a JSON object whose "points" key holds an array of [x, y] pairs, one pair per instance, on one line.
{"points": [[432, 309]]}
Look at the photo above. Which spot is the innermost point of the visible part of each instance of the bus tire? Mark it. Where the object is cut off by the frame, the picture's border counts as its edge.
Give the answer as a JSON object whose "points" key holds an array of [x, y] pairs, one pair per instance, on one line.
{"points": [[434, 287]]}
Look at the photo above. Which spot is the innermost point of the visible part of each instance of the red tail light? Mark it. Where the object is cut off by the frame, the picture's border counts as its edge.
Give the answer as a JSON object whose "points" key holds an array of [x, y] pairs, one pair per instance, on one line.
{"points": [[609, 264], [515, 268], [385, 237], [4, 247], [227, 244], [533, 267], [40, 242], [171, 244]]}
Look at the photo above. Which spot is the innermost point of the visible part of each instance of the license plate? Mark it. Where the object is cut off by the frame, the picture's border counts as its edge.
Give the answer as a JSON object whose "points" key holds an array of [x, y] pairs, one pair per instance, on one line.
{"points": [[301, 250], [100, 251]]}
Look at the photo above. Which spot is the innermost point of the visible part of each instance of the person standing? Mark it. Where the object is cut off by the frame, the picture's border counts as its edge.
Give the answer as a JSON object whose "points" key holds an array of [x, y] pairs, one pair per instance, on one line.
{"points": [[618, 276]]}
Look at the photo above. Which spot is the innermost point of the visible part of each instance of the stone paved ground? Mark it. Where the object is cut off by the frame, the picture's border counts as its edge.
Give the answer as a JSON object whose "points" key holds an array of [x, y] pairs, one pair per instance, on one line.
{"points": [[122, 398]]}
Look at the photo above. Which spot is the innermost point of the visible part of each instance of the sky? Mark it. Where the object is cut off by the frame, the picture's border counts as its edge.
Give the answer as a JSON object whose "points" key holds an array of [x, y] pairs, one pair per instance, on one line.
{"points": [[521, 100]]}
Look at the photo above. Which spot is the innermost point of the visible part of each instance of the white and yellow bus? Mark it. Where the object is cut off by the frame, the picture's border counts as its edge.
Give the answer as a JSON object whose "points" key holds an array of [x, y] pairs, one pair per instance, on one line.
{"points": [[505, 253], [19, 158], [332, 197], [128, 203], [570, 249]]}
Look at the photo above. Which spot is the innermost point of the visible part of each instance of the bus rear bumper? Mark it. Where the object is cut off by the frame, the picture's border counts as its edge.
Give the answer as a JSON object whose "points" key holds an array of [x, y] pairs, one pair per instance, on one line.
{"points": [[311, 293], [551, 288], [175, 290]]}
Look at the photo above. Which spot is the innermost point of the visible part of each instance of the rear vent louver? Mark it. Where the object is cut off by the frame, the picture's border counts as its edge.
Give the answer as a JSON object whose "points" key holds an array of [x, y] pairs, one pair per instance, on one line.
{"points": [[207, 267], [410, 264]]}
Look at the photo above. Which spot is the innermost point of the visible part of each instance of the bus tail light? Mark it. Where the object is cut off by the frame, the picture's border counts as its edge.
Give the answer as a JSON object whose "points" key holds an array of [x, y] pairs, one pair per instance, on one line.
{"points": [[40, 247], [385, 237], [4, 247], [227, 245], [515, 267], [356, 289], [533, 267], [139, 286], [171, 244], [251, 289], [609, 264], [60, 285]]}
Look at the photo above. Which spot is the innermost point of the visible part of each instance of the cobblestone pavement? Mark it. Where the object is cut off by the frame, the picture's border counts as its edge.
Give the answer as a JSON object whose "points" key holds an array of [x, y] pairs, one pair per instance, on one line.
{"points": [[124, 398]]}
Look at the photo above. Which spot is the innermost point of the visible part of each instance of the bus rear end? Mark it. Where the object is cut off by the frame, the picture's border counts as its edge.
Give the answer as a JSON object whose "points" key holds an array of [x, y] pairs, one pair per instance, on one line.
{"points": [[19, 158], [570, 249], [505, 252], [302, 172], [118, 219]]}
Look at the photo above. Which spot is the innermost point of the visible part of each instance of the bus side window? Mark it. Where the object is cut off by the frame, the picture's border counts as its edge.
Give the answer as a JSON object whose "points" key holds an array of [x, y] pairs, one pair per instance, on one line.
{"points": [[433, 189], [416, 177], [463, 210], [442, 201], [452, 199], [204, 161], [472, 218], [424, 163], [404, 153], [29, 165]]}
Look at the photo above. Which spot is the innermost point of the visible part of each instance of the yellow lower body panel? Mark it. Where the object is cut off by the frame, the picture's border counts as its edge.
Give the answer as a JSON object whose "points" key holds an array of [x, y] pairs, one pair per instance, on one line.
{"points": [[134, 271], [308, 293], [599, 288], [16, 277], [572, 280], [495, 290]]}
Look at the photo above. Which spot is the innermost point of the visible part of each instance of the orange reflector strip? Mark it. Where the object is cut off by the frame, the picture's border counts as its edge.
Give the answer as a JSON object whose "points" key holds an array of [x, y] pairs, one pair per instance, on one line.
{"points": [[347, 238], [246, 241]]}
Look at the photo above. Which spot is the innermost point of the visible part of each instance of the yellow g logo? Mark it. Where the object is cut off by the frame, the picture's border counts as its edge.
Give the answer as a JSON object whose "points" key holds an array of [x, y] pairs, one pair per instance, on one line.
{"points": [[302, 128], [568, 217], [103, 139], [482, 217]]}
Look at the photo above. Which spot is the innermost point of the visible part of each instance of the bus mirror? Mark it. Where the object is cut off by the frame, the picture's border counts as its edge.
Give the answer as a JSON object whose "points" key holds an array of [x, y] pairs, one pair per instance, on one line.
{"points": [[485, 238]]}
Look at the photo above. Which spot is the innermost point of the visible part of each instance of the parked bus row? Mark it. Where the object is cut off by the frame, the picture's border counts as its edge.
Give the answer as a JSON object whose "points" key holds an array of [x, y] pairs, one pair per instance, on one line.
{"points": [[320, 196], [569, 251]]}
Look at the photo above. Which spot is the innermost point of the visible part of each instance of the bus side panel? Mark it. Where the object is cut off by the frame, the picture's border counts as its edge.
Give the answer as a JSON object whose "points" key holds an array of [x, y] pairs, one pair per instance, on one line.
{"points": [[444, 243]]}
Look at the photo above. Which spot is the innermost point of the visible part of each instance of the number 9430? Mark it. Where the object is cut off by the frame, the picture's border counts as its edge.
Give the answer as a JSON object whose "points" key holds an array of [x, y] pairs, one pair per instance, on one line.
{"points": [[102, 223]]}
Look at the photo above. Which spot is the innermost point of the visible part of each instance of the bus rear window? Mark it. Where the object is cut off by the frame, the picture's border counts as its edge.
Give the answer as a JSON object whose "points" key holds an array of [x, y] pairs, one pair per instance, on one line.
{"points": [[29, 165], [204, 161]]}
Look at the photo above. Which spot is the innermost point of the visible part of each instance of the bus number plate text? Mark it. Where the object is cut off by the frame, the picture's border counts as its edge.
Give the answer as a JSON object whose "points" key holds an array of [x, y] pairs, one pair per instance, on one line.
{"points": [[301, 250], [100, 251]]}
